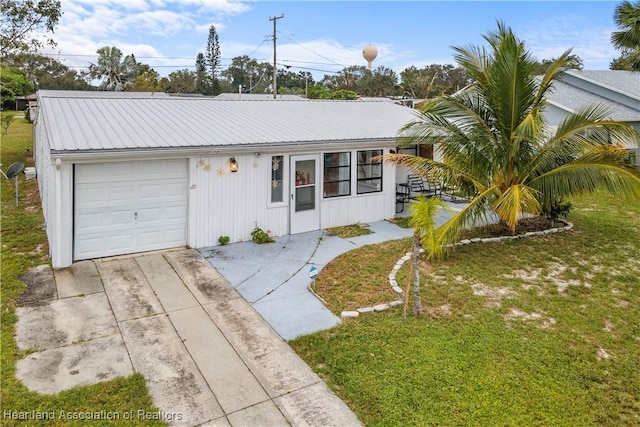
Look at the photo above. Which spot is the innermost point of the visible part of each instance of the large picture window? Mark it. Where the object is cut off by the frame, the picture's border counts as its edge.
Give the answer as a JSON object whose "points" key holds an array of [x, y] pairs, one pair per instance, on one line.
{"points": [[369, 172], [277, 187], [337, 174]]}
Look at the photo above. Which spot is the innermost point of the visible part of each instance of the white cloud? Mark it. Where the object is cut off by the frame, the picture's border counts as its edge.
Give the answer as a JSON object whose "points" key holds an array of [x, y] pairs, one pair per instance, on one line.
{"points": [[158, 22], [592, 43]]}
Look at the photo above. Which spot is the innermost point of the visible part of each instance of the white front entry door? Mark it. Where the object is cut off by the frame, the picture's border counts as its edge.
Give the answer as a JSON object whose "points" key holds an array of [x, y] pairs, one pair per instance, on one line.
{"points": [[128, 207], [305, 193]]}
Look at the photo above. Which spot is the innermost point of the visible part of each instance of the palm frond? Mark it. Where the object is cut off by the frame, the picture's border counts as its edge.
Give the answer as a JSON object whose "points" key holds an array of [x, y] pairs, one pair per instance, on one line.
{"points": [[579, 133], [516, 201], [422, 219], [566, 61], [602, 167], [475, 213]]}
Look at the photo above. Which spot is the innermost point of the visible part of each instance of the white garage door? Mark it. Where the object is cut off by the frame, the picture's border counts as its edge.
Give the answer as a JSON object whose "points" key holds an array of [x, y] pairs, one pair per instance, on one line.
{"points": [[128, 207]]}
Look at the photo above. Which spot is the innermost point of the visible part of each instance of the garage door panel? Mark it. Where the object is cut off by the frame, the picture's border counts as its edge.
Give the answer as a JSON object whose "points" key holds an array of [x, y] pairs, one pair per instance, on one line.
{"points": [[129, 207], [176, 213]]}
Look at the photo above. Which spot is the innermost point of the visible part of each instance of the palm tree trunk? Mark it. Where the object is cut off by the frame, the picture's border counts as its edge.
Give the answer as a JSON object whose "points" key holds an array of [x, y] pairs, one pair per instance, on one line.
{"points": [[417, 305]]}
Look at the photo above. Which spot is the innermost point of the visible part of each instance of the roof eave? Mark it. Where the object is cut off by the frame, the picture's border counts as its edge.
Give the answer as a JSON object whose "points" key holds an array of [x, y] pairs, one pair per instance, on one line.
{"points": [[182, 152]]}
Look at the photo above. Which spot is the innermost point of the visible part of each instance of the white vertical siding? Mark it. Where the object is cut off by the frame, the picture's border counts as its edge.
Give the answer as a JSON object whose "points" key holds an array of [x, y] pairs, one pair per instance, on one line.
{"points": [[55, 183], [222, 203], [62, 256], [45, 173], [345, 210]]}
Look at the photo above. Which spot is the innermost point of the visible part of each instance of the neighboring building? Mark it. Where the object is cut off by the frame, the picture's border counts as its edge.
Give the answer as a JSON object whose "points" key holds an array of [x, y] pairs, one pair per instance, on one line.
{"points": [[23, 102], [617, 90], [135, 172]]}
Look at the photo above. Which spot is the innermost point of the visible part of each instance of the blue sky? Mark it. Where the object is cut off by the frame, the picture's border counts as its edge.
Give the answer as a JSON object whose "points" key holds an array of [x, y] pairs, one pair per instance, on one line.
{"points": [[323, 37]]}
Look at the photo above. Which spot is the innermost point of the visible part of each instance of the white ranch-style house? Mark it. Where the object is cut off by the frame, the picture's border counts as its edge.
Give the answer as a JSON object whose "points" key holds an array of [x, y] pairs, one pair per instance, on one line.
{"points": [[122, 173]]}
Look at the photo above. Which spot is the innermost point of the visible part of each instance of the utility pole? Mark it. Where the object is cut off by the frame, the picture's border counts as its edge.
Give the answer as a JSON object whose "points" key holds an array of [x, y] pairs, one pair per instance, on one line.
{"points": [[275, 71]]}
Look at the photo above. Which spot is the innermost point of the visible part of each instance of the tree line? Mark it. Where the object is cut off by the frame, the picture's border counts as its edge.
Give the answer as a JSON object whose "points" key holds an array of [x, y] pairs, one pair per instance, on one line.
{"points": [[24, 70]]}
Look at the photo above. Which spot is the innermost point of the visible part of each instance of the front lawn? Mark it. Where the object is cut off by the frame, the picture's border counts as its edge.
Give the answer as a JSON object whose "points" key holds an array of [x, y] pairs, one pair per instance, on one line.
{"points": [[24, 245], [542, 331]]}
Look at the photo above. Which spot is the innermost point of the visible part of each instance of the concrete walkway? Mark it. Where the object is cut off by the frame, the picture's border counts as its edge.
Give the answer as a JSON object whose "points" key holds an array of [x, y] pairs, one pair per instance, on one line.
{"points": [[274, 278], [208, 358]]}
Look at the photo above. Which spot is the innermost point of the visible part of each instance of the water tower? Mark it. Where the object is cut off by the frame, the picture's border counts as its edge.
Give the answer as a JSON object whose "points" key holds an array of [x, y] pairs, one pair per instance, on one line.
{"points": [[369, 53]]}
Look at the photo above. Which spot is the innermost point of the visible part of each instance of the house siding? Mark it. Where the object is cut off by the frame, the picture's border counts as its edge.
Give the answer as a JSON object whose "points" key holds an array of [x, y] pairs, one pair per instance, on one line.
{"points": [[55, 186], [222, 203]]}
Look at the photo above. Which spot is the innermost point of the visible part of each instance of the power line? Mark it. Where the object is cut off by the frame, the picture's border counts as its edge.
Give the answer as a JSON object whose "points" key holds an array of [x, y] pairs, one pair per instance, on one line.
{"points": [[315, 53], [307, 68]]}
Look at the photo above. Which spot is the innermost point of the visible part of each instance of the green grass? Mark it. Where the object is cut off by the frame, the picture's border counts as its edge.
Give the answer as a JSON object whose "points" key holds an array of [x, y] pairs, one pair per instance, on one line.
{"points": [[348, 231], [542, 331], [24, 246]]}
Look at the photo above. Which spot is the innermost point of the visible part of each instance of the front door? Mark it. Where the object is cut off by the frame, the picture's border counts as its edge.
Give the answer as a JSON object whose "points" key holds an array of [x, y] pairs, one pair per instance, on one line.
{"points": [[305, 200]]}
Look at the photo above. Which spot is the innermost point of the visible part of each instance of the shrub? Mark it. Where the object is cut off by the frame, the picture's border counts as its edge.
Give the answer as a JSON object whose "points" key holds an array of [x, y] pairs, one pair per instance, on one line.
{"points": [[343, 94], [258, 235], [223, 240], [556, 208]]}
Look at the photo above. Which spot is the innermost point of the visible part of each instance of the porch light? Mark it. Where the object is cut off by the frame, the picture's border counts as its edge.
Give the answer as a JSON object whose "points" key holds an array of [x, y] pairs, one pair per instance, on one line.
{"points": [[233, 165]]}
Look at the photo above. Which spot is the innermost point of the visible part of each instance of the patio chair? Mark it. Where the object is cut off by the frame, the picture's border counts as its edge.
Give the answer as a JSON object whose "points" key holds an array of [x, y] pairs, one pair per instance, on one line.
{"points": [[417, 187]]}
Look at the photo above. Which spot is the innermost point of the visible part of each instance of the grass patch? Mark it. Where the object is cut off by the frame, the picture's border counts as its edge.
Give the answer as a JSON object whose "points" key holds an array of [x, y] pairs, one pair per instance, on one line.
{"points": [[540, 331], [400, 221], [348, 231], [24, 245]]}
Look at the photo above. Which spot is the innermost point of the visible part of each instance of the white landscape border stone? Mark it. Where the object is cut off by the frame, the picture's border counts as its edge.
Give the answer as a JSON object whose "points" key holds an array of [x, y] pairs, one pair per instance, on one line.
{"points": [[350, 314]]}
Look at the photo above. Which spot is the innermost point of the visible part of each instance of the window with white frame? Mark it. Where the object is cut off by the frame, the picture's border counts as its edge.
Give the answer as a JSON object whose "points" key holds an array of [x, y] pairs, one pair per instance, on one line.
{"points": [[277, 187], [337, 174], [369, 172]]}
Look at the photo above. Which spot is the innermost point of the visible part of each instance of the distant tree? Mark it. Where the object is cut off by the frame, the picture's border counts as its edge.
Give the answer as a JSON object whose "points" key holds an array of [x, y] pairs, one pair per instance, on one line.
{"points": [[252, 75], [116, 73], [432, 80], [148, 81], [212, 55], [577, 63], [203, 85], [627, 39], [624, 62], [317, 91], [181, 81], [381, 82], [47, 73], [21, 19], [13, 82], [295, 83], [343, 94], [346, 79], [5, 122]]}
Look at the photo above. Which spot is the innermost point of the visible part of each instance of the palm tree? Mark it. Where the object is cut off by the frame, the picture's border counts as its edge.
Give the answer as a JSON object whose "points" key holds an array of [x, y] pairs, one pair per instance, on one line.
{"points": [[497, 148], [627, 40], [422, 220], [115, 74]]}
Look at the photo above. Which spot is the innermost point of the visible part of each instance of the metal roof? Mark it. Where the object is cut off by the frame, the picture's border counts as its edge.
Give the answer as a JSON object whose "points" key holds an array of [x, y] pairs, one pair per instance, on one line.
{"points": [[86, 123], [259, 97], [50, 93], [567, 95], [625, 81]]}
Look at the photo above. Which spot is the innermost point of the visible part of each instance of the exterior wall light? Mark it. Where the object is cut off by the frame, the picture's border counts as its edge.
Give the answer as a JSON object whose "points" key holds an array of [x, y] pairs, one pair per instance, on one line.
{"points": [[233, 165]]}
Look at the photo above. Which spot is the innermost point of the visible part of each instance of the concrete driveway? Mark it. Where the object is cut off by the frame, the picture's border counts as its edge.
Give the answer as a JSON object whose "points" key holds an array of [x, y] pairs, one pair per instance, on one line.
{"points": [[209, 359]]}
